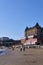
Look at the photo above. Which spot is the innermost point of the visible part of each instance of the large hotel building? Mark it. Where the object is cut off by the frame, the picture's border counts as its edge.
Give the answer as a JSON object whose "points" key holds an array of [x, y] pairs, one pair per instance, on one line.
{"points": [[33, 35]]}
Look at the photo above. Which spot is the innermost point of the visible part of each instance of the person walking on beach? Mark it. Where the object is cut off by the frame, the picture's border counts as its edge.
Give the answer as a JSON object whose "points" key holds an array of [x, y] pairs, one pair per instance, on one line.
{"points": [[24, 48], [21, 48], [13, 48]]}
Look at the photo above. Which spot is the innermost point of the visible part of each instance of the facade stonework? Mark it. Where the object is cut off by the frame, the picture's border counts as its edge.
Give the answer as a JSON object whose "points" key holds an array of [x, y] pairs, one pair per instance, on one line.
{"points": [[31, 32]]}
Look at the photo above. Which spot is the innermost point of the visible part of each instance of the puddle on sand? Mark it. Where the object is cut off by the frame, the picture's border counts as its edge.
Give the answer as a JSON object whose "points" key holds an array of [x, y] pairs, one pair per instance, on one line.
{"points": [[3, 52]]}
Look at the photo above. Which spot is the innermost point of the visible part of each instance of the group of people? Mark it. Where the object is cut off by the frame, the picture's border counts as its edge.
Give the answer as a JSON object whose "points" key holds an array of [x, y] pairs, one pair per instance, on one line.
{"points": [[22, 48]]}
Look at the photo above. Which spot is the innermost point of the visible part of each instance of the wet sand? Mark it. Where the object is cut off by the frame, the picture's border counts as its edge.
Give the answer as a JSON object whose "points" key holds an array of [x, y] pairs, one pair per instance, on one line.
{"points": [[29, 57]]}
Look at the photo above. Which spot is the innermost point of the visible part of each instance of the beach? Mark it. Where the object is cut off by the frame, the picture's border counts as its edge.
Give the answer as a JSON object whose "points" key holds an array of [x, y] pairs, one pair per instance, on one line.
{"points": [[31, 56]]}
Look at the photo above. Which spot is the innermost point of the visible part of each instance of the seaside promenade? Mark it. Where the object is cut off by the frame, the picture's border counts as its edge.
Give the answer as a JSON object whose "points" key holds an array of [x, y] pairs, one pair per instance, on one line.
{"points": [[31, 56]]}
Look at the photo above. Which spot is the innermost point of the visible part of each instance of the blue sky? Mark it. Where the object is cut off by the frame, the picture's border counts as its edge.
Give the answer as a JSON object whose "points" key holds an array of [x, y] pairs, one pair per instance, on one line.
{"points": [[15, 15]]}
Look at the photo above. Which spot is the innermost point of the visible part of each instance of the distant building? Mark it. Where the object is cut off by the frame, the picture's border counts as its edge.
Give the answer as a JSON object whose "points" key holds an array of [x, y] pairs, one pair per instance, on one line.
{"points": [[4, 38], [34, 35], [6, 41]]}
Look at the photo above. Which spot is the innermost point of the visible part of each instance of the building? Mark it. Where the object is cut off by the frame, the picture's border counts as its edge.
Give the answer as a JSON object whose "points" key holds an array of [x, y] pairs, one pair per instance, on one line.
{"points": [[34, 35], [4, 38], [6, 41]]}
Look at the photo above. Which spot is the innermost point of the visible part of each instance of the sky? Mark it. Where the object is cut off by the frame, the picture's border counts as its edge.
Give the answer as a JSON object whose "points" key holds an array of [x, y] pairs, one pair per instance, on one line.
{"points": [[16, 15]]}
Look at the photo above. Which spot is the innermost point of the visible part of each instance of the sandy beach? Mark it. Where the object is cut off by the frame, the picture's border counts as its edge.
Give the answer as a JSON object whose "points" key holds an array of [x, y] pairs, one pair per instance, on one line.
{"points": [[31, 56]]}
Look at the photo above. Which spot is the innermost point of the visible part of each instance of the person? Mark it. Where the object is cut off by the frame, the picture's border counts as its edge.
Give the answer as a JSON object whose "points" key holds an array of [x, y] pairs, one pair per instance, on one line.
{"points": [[13, 48], [24, 48], [21, 48]]}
